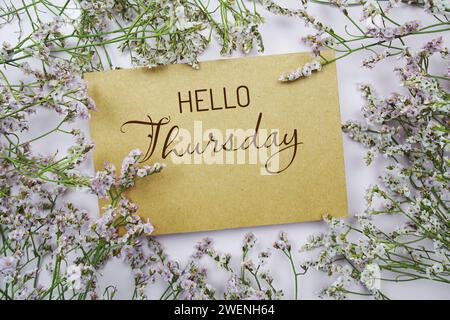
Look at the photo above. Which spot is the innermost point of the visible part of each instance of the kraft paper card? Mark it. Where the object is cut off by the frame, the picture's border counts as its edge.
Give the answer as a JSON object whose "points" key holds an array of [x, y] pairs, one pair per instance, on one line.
{"points": [[241, 148]]}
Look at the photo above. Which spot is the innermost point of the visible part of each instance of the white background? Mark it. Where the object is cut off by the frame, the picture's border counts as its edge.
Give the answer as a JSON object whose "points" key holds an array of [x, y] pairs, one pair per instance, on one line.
{"points": [[281, 35]]}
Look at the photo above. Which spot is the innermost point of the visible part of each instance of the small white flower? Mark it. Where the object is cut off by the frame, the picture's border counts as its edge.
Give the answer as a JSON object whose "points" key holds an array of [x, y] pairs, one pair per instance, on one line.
{"points": [[370, 276], [379, 250], [141, 173], [426, 202], [306, 70], [7, 264], [74, 276], [315, 65], [148, 228], [438, 268]]}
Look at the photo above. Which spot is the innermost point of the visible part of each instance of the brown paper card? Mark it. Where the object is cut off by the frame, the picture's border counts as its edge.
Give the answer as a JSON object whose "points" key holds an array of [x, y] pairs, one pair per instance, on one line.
{"points": [[291, 170]]}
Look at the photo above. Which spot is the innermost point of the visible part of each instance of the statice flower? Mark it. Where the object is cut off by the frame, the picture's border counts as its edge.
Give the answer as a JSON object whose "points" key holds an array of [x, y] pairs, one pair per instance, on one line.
{"points": [[130, 170], [249, 241], [431, 47], [282, 243], [370, 276], [437, 6], [389, 33], [317, 43], [46, 237], [408, 131], [372, 60], [74, 276], [182, 21], [8, 267], [305, 71], [370, 9], [202, 248], [6, 51], [103, 180]]}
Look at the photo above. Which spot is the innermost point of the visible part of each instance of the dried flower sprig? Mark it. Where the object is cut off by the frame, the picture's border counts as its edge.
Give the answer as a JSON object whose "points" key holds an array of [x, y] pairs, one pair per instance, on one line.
{"points": [[252, 281], [67, 39], [40, 233], [376, 31], [152, 33], [42, 236], [411, 131]]}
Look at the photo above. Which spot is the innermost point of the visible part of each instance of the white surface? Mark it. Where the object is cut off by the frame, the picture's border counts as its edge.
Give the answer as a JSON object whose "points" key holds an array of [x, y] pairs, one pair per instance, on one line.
{"points": [[281, 35]]}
